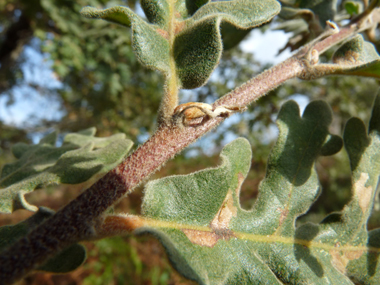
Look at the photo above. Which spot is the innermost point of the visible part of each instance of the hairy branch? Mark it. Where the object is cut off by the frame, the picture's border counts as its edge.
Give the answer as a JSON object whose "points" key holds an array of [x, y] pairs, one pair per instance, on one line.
{"points": [[78, 220]]}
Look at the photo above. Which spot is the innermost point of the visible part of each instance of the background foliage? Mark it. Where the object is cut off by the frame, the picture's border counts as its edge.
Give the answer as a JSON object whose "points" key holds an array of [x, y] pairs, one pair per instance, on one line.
{"points": [[104, 86]]}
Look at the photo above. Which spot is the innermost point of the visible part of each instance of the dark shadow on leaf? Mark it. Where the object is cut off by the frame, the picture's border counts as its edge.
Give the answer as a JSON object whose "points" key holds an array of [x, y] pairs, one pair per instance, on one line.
{"points": [[175, 257], [28, 165], [193, 5], [374, 124], [69, 173], [332, 218], [355, 140], [373, 256], [232, 36], [306, 139], [307, 232]]}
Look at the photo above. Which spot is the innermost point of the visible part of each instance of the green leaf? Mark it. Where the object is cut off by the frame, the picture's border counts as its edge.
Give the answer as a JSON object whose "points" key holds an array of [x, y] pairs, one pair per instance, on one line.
{"points": [[360, 266], [366, 269], [354, 57], [81, 157], [353, 7], [210, 239], [150, 47], [186, 33], [65, 261], [198, 48], [323, 9], [232, 36], [355, 51], [306, 19], [357, 57]]}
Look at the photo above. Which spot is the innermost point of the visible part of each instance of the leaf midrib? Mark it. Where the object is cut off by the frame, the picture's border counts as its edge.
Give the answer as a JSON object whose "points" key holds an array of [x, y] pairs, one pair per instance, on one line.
{"points": [[256, 238]]}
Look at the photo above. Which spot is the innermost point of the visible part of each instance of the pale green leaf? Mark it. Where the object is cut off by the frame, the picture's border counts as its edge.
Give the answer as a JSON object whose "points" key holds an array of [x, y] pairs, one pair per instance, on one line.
{"points": [[356, 51], [81, 157], [150, 47], [355, 57]]}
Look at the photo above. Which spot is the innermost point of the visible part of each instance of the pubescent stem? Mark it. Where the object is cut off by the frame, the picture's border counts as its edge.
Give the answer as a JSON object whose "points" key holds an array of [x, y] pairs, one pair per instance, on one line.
{"points": [[172, 86], [170, 100]]}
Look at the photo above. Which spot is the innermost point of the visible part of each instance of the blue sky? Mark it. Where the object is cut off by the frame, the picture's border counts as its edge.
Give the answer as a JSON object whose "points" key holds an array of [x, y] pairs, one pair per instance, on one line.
{"points": [[29, 110]]}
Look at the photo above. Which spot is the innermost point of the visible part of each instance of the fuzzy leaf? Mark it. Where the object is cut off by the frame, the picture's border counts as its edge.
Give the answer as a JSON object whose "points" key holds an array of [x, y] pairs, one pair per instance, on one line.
{"points": [[313, 14], [185, 32], [210, 239], [65, 261], [351, 228], [355, 57], [81, 157], [151, 48], [356, 51]]}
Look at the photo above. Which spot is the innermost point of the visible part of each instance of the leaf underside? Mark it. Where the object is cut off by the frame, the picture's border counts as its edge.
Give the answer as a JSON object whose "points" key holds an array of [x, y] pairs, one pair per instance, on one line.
{"points": [[209, 238], [357, 57], [187, 33], [80, 158], [306, 19]]}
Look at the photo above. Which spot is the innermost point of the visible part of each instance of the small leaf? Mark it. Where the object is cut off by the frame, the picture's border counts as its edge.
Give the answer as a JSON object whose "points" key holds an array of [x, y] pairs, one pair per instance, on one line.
{"points": [[288, 13], [355, 57], [151, 48], [353, 7], [194, 67], [306, 20], [323, 9], [81, 157], [65, 261], [355, 51], [199, 47]]}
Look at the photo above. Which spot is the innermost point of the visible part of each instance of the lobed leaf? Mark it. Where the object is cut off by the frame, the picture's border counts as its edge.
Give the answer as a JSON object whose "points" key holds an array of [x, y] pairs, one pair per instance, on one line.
{"points": [[81, 157], [65, 261], [186, 33], [210, 239]]}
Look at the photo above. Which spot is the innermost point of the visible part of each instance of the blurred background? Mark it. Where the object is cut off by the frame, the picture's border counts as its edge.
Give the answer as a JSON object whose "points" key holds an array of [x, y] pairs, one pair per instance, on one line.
{"points": [[59, 71]]}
